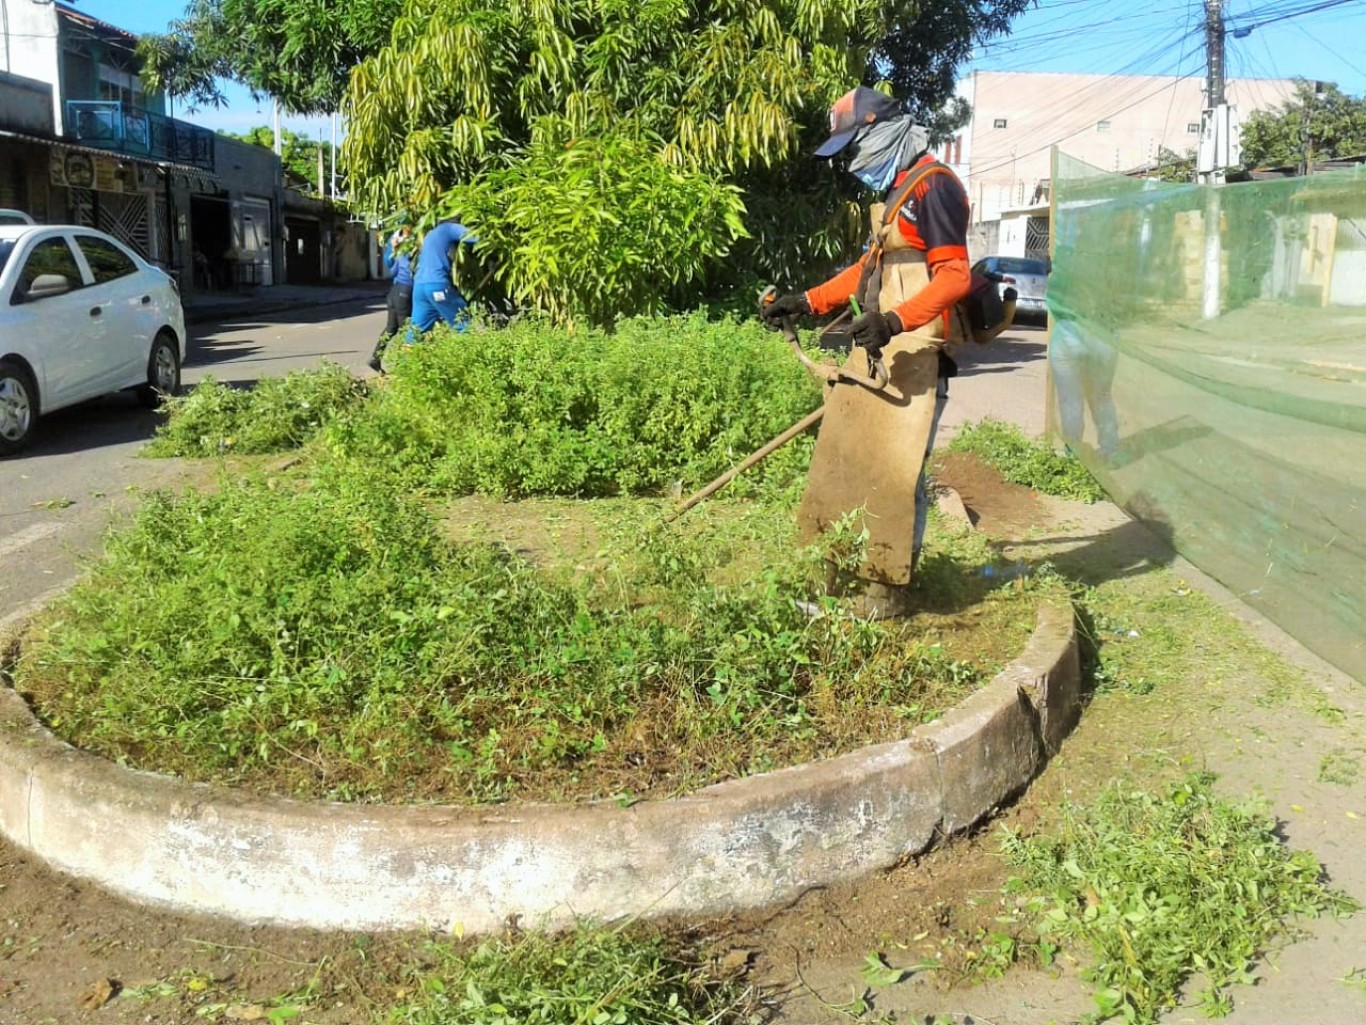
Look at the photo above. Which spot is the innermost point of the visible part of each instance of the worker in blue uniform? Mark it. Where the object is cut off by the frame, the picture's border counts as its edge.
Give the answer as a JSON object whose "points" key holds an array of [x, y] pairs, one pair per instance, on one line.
{"points": [[435, 296], [400, 299]]}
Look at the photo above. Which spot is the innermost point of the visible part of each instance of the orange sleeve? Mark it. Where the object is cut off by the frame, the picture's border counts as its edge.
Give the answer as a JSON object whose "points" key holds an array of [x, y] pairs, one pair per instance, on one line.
{"points": [[950, 282], [837, 291]]}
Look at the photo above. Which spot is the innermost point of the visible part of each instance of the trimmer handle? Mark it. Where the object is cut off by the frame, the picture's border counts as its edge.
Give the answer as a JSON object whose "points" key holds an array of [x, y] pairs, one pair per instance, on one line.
{"points": [[826, 371]]}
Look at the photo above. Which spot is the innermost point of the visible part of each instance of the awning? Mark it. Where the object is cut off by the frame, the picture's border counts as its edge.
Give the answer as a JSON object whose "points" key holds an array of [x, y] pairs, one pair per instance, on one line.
{"points": [[169, 165]]}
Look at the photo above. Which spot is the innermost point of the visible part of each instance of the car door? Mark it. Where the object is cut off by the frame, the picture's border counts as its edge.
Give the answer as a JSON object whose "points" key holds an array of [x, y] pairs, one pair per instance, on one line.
{"points": [[124, 298], [56, 327]]}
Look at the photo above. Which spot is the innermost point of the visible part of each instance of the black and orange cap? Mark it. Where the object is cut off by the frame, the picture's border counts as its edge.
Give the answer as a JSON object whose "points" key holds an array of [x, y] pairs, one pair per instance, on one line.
{"points": [[858, 108]]}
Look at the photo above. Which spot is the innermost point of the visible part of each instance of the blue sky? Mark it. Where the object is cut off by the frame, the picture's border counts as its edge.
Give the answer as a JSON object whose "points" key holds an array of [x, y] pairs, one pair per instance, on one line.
{"points": [[1166, 37], [1102, 36]]}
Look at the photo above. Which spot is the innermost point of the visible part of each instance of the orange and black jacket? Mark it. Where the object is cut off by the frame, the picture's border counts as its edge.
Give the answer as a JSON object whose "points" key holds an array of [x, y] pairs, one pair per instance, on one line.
{"points": [[934, 219]]}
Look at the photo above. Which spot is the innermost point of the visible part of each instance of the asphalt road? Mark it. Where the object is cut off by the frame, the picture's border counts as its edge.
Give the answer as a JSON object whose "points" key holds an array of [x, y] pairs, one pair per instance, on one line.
{"points": [[59, 496]]}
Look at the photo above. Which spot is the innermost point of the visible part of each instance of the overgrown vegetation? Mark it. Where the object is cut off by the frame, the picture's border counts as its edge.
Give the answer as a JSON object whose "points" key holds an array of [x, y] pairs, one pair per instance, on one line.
{"points": [[535, 410], [590, 975], [320, 635], [1022, 460], [1162, 888], [279, 413]]}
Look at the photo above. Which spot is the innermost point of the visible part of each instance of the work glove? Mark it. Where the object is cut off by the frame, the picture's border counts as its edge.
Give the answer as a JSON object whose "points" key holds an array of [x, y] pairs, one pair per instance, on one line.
{"points": [[794, 305], [874, 330]]}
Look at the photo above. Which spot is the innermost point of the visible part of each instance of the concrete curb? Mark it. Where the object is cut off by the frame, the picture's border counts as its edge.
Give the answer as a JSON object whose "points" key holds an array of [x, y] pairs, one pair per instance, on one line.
{"points": [[745, 843]]}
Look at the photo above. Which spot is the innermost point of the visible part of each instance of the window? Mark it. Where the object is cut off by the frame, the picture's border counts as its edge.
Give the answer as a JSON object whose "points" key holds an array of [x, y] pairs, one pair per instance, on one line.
{"points": [[107, 261], [1192, 127], [1000, 122], [50, 256], [121, 86], [1102, 126], [1018, 265]]}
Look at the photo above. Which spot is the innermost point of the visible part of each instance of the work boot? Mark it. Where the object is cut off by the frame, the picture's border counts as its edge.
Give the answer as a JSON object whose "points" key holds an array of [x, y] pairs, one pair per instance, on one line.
{"points": [[376, 358], [883, 601]]}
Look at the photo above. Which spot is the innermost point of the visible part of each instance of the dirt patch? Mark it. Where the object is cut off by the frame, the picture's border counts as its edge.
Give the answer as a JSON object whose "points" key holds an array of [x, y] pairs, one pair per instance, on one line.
{"points": [[996, 507]]}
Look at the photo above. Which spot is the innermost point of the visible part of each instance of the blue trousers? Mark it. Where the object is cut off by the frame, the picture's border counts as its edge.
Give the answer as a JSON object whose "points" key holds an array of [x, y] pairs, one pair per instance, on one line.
{"points": [[439, 302]]}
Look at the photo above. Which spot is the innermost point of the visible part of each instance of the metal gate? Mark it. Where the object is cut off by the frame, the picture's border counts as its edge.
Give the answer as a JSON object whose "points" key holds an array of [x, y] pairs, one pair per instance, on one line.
{"points": [[125, 216]]}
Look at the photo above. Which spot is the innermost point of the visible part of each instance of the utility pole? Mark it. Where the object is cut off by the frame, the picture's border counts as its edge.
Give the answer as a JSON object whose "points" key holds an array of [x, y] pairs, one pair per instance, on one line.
{"points": [[275, 125], [1219, 150], [334, 156]]}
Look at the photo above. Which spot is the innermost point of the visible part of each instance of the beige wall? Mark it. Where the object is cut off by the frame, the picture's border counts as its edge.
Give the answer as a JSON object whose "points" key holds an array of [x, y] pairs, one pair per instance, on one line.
{"points": [[1003, 166]]}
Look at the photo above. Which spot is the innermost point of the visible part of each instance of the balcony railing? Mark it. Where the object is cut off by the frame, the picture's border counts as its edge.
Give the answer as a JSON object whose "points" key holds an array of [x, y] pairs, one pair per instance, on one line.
{"points": [[111, 125]]}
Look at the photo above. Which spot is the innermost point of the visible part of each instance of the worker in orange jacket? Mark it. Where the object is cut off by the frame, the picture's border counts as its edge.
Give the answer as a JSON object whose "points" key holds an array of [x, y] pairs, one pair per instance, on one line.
{"points": [[909, 285]]}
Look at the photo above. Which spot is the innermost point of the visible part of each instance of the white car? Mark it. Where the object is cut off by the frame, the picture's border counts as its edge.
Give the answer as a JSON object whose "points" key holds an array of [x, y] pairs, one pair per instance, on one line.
{"points": [[81, 315], [14, 217]]}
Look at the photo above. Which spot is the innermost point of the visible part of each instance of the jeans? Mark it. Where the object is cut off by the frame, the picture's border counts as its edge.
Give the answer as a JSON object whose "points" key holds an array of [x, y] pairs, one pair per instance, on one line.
{"points": [[433, 302], [1083, 365], [400, 308]]}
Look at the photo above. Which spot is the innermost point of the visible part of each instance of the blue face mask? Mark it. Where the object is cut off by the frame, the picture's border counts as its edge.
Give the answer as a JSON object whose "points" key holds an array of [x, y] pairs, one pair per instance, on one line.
{"points": [[879, 179]]}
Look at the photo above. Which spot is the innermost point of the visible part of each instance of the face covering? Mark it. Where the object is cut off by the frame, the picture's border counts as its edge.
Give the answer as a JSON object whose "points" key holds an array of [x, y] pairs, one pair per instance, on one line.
{"points": [[884, 149]]}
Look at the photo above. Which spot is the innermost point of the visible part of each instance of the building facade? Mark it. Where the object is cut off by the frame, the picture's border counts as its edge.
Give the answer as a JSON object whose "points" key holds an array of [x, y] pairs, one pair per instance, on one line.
{"points": [[83, 142], [1115, 122]]}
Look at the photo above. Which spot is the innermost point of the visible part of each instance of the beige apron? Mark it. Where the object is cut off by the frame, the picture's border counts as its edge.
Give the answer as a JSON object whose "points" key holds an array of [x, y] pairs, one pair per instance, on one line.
{"points": [[871, 444]]}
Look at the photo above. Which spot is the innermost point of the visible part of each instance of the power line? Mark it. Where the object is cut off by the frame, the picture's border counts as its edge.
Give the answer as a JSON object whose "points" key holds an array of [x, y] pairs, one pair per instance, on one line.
{"points": [[974, 172], [1286, 12]]}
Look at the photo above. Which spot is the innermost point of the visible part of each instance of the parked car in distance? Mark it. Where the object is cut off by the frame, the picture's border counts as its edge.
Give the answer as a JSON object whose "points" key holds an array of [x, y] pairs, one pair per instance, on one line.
{"points": [[81, 315], [1029, 277], [14, 217]]}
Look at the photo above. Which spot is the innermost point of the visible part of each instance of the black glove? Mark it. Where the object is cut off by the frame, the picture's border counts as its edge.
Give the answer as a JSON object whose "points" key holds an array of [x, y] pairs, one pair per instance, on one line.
{"points": [[794, 305], [875, 330]]}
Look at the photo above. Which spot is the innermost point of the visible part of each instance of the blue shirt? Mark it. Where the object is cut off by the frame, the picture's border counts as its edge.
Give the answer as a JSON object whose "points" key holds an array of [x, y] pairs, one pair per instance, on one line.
{"points": [[434, 262], [400, 266]]}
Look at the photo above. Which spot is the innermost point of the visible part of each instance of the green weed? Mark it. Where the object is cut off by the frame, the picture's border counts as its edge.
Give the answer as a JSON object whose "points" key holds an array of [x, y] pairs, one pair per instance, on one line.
{"points": [[534, 410], [320, 636], [1161, 888], [587, 977], [279, 413], [1341, 766], [1021, 460]]}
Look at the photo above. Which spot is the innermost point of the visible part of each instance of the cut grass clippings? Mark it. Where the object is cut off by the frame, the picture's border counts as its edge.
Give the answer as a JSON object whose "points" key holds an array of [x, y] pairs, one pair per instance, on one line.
{"points": [[590, 975], [1159, 888], [1021, 460], [276, 414]]}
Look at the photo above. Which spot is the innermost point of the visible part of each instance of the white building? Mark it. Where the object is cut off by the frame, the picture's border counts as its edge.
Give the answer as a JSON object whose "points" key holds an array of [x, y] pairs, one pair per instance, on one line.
{"points": [[1115, 122]]}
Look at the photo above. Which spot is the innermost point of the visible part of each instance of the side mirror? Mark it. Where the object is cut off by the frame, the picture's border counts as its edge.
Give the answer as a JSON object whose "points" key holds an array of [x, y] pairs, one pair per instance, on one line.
{"points": [[47, 285]]}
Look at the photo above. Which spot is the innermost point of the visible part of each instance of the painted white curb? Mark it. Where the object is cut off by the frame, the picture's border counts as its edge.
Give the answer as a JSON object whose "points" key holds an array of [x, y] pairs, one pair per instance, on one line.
{"points": [[740, 844]]}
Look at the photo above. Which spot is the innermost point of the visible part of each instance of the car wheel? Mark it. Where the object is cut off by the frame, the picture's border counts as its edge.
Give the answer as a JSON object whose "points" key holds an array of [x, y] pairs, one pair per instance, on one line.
{"points": [[18, 407], [163, 371]]}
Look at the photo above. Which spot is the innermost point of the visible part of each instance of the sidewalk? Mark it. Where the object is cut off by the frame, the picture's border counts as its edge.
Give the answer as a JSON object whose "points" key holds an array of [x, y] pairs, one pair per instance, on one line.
{"points": [[206, 306]]}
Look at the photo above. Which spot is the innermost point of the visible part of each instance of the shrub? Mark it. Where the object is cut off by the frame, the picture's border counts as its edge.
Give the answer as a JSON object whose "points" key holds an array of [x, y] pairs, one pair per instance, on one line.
{"points": [[1021, 460], [278, 413], [538, 410], [324, 637]]}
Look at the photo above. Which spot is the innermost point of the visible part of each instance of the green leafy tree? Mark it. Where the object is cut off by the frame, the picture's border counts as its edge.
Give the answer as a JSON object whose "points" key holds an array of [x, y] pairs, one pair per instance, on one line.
{"points": [[1175, 167], [1320, 122], [299, 51], [298, 153], [482, 109]]}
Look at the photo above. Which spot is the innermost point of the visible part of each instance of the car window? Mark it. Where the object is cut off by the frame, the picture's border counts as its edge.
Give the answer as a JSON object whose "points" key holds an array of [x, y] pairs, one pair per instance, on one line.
{"points": [[1018, 265], [50, 256], [6, 247], [107, 261]]}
